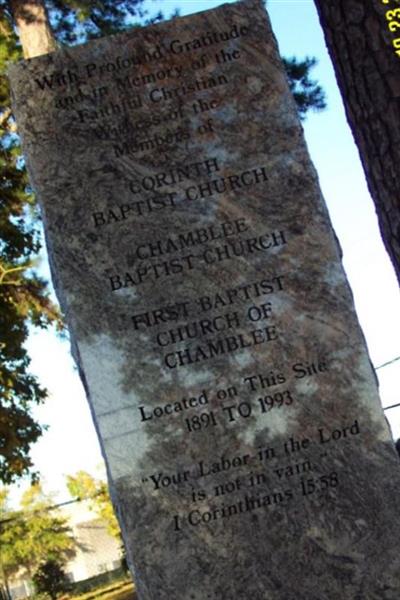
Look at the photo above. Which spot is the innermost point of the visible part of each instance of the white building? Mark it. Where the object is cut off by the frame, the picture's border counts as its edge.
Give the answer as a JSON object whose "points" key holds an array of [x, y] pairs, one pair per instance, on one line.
{"points": [[97, 551]]}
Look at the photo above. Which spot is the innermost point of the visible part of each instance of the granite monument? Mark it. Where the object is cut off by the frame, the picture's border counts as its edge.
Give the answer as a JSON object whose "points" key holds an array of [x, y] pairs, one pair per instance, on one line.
{"points": [[210, 316]]}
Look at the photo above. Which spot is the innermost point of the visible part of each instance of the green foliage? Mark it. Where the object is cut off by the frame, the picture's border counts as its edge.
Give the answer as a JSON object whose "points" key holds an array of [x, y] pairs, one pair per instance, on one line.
{"points": [[85, 487], [24, 297], [75, 21], [307, 93], [50, 579], [32, 536]]}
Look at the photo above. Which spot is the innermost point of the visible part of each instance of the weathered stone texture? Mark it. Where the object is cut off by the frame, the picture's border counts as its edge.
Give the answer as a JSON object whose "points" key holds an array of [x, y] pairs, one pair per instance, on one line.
{"points": [[210, 315]]}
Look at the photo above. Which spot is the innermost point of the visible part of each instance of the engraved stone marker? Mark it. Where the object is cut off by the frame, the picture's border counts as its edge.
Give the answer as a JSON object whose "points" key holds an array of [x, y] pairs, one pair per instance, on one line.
{"points": [[210, 315]]}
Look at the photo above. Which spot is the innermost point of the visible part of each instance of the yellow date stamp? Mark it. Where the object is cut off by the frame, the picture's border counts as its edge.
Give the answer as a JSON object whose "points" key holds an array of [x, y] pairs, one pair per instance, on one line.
{"points": [[393, 22]]}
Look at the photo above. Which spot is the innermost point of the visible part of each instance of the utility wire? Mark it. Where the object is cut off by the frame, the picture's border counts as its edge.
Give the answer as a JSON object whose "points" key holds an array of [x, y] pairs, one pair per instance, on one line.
{"points": [[45, 508], [54, 506], [386, 364], [391, 406]]}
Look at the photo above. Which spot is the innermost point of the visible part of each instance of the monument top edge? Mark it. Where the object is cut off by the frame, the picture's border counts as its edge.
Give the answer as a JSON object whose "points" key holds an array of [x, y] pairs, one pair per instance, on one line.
{"points": [[131, 33]]}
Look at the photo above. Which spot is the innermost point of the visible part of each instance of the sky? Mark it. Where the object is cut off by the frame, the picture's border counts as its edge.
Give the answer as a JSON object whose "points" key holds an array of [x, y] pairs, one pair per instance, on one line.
{"points": [[70, 444]]}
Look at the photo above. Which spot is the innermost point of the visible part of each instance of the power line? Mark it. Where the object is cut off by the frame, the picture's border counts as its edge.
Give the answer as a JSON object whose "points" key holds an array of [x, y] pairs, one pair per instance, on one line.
{"points": [[55, 506], [386, 364], [391, 406], [44, 508]]}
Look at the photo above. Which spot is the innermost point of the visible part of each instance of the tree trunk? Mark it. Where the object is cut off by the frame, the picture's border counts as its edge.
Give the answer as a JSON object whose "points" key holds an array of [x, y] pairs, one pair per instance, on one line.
{"points": [[368, 73], [34, 29]]}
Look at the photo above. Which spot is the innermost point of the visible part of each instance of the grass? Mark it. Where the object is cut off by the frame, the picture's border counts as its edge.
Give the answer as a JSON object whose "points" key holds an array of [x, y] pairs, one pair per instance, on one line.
{"points": [[127, 594], [124, 590]]}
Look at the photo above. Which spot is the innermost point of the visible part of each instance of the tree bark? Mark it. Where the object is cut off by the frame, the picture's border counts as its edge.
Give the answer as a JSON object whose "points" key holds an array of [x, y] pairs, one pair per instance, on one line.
{"points": [[34, 28], [368, 73]]}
